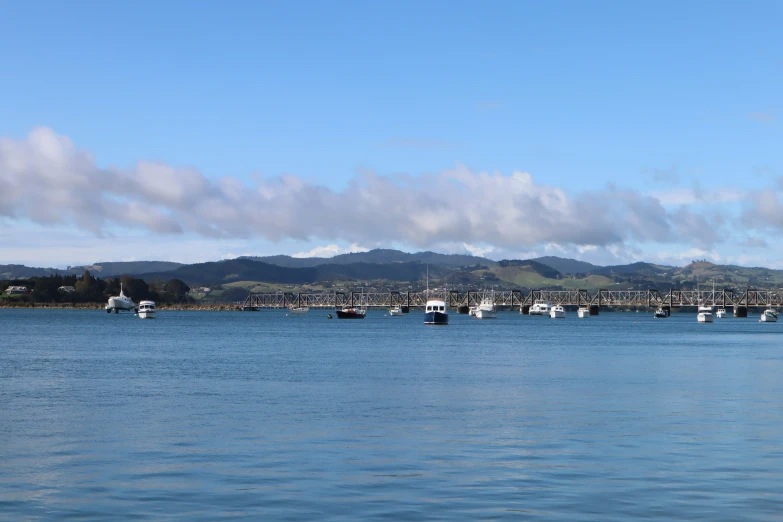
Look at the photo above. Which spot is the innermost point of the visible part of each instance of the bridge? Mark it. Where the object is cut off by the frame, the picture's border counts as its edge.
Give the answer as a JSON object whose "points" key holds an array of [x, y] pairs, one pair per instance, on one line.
{"points": [[512, 299]]}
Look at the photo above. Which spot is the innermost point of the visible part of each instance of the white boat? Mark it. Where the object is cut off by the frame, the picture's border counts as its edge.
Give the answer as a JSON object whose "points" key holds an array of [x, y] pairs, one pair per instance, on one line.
{"points": [[540, 307], [660, 313], [396, 311], [436, 312], [120, 302], [705, 314], [296, 310], [147, 310], [770, 315], [583, 312], [721, 313], [557, 312], [486, 310]]}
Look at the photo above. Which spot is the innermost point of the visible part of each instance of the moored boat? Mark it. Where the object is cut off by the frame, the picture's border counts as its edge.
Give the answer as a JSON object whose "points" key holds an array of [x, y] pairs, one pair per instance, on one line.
{"points": [[147, 310], [583, 312], [436, 312], [396, 311], [660, 313], [705, 314], [721, 313], [351, 313], [540, 307], [557, 312], [770, 315], [120, 302], [486, 310], [296, 310]]}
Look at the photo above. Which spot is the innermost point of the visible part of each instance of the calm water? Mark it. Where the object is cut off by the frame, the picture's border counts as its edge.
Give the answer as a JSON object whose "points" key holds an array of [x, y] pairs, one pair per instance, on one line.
{"points": [[206, 415]]}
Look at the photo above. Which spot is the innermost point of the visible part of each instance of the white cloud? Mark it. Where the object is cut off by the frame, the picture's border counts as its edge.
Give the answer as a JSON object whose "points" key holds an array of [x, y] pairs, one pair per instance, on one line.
{"points": [[47, 180], [477, 250], [330, 251]]}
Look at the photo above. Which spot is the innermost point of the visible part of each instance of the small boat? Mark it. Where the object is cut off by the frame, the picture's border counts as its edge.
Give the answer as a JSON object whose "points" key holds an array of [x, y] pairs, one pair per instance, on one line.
{"points": [[557, 312], [147, 310], [296, 310], [540, 307], [705, 314], [583, 312], [396, 311], [721, 313], [351, 313], [436, 312], [120, 302], [770, 315], [486, 310], [660, 314]]}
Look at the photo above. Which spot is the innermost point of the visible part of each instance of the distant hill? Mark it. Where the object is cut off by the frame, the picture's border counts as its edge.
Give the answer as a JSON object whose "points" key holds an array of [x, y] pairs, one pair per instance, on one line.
{"points": [[640, 268], [23, 272], [567, 266], [379, 255], [246, 269], [112, 268]]}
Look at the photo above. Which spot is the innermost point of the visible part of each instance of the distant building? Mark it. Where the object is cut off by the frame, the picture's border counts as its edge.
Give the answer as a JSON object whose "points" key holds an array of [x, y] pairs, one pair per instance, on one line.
{"points": [[67, 289], [16, 290]]}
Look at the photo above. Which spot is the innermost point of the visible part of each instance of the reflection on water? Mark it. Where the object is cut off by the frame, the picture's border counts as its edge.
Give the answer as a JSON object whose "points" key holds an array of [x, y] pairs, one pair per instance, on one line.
{"points": [[197, 416]]}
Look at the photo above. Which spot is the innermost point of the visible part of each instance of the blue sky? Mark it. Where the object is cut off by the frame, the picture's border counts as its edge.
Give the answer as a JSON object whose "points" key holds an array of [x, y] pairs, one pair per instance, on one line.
{"points": [[675, 101]]}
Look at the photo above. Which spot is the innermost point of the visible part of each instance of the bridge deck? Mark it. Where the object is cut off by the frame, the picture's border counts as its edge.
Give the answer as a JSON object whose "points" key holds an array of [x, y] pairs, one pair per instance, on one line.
{"points": [[517, 298]]}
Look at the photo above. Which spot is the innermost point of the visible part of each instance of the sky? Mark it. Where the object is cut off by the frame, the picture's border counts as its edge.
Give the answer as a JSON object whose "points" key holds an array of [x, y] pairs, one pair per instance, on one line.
{"points": [[610, 132]]}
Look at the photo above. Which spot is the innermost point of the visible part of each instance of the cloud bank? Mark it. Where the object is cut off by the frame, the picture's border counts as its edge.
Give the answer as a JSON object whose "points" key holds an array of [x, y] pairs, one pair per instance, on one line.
{"points": [[46, 179]]}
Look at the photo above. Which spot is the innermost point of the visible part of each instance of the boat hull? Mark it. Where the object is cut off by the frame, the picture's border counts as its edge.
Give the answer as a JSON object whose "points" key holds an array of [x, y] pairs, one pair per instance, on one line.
{"points": [[395, 313], [350, 314], [557, 314], [485, 314], [436, 318], [767, 318], [704, 318], [147, 314], [583, 313]]}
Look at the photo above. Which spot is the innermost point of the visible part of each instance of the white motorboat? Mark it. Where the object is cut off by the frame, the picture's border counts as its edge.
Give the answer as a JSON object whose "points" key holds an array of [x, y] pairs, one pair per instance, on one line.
{"points": [[147, 310], [705, 314], [660, 313], [540, 307], [583, 312], [297, 310], [486, 310], [436, 312], [770, 315], [721, 313], [396, 311], [557, 312], [120, 302]]}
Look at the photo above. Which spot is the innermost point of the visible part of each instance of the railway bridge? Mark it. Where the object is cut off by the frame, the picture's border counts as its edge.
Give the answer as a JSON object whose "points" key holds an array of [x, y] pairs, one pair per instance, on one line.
{"points": [[738, 300]]}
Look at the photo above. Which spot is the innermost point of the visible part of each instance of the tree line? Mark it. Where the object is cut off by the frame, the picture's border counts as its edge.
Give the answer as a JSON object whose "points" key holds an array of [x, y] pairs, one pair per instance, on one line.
{"points": [[91, 289]]}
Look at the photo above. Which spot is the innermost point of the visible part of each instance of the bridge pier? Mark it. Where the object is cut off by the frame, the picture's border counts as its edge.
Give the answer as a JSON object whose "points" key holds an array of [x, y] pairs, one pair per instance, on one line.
{"points": [[594, 309], [740, 311], [463, 309], [524, 309]]}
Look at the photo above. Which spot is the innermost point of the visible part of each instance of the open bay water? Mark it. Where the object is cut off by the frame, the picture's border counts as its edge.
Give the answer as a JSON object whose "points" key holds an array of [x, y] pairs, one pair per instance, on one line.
{"points": [[264, 416]]}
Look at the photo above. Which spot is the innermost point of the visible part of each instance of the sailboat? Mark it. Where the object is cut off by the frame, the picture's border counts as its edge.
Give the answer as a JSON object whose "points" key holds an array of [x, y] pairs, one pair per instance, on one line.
{"points": [[435, 311], [120, 302]]}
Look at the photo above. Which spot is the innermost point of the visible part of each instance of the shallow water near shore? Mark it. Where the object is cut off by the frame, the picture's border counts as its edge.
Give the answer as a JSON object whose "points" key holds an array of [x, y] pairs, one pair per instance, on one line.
{"points": [[206, 415]]}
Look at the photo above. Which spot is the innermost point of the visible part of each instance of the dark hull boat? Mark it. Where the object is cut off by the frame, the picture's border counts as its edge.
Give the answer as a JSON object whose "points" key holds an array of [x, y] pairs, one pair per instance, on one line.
{"points": [[351, 313]]}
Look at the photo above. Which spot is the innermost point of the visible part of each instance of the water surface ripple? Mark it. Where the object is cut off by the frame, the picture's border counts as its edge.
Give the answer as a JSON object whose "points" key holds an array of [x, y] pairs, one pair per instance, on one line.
{"points": [[207, 415]]}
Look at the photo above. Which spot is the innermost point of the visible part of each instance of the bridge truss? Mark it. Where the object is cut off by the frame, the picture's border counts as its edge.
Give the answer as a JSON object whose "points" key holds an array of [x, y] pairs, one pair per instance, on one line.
{"points": [[510, 299]]}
